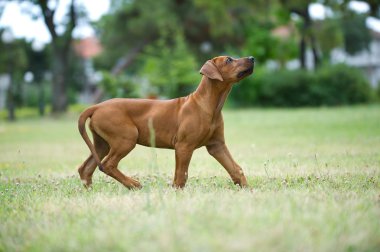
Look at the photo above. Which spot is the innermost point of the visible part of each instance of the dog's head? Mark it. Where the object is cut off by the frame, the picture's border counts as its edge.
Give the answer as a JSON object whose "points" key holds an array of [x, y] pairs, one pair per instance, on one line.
{"points": [[227, 69]]}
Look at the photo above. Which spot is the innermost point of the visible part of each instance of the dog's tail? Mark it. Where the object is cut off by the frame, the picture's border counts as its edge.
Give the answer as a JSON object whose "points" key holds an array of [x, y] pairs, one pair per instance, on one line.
{"points": [[82, 130]]}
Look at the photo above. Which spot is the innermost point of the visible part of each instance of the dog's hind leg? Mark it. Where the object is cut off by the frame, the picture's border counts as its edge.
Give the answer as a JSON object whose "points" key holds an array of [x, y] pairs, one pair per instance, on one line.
{"points": [[87, 169], [110, 164], [120, 146]]}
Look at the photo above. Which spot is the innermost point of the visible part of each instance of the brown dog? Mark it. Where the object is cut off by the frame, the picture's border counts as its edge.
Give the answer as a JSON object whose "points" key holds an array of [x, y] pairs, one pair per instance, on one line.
{"points": [[183, 124]]}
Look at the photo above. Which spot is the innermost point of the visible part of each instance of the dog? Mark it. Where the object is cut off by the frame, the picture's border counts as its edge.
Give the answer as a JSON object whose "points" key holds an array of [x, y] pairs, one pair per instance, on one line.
{"points": [[183, 124]]}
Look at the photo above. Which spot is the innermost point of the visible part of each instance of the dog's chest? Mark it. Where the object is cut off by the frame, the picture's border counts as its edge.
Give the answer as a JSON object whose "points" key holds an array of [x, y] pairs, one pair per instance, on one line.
{"points": [[207, 134]]}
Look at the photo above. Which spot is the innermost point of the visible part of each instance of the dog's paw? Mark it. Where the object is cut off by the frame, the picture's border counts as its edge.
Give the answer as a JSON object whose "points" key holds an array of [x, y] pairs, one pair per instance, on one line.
{"points": [[134, 185], [86, 183]]}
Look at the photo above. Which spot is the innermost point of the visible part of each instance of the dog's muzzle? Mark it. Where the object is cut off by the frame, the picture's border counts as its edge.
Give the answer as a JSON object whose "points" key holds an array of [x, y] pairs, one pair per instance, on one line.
{"points": [[245, 72], [249, 70]]}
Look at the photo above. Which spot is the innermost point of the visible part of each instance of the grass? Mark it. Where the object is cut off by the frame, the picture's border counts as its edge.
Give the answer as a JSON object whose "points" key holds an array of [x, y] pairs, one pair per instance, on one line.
{"points": [[314, 178]]}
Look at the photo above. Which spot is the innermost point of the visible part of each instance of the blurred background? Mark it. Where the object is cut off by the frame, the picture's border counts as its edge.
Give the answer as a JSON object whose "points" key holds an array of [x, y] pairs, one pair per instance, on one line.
{"points": [[57, 56]]}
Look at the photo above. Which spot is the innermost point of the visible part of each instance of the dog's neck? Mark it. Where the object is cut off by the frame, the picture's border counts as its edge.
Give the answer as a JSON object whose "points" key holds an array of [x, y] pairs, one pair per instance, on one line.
{"points": [[211, 95]]}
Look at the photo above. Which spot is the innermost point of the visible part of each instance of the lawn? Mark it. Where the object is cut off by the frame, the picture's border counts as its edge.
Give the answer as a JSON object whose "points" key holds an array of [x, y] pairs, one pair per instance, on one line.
{"points": [[314, 177]]}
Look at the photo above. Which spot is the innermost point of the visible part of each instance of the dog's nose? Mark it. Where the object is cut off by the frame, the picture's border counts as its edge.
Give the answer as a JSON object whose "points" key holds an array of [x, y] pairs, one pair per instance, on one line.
{"points": [[252, 59]]}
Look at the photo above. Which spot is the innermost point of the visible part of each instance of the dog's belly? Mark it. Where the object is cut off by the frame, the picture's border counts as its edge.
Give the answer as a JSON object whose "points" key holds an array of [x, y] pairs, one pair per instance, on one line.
{"points": [[159, 138], [156, 121], [157, 130], [165, 133]]}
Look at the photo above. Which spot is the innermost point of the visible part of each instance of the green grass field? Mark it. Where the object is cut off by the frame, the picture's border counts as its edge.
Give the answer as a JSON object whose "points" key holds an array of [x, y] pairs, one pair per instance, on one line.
{"points": [[314, 177]]}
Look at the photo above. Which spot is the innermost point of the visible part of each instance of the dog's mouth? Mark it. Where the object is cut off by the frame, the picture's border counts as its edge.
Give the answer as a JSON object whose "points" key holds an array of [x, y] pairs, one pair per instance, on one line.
{"points": [[245, 72]]}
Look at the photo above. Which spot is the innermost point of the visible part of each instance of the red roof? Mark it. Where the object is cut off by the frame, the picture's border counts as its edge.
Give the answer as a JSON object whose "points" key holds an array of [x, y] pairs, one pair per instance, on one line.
{"points": [[284, 31], [88, 48]]}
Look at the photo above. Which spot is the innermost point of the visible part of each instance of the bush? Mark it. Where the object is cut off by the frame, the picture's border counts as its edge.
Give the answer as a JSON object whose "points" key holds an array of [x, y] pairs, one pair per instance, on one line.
{"points": [[36, 94], [118, 86], [340, 84], [333, 85]]}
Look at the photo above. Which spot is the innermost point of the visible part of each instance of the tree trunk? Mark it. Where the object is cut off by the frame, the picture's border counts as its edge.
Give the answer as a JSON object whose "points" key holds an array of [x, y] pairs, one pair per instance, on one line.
{"points": [[59, 91], [10, 91], [128, 59], [306, 36], [302, 52], [61, 49], [304, 14], [41, 98], [10, 99], [314, 49]]}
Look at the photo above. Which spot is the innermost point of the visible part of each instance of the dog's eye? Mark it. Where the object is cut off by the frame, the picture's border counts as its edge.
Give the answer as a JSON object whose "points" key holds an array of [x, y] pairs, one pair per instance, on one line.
{"points": [[229, 60]]}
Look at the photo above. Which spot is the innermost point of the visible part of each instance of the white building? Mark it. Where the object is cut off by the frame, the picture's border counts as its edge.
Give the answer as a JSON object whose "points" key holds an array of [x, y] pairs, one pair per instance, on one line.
{"points": [[4, 84], [367, 60]]}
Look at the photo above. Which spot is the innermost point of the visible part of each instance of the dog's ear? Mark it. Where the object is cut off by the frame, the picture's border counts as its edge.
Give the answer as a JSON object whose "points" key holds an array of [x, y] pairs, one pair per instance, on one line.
{"points": [[209, 69]]}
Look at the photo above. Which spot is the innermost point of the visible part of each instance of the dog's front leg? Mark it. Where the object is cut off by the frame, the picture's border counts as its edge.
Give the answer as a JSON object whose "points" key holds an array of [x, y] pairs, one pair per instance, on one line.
{"points": [[182, 160], [220, 152]]}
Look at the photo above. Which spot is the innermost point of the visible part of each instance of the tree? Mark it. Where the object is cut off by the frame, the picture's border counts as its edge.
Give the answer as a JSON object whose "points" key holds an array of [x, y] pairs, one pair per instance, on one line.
{"points": [[355, 34], [329, 35], [38, 63], [209, 27], [13, 62], [342, 6], [307, 36], [170, 69], [61, 46], [129, 27], [374, 7]]}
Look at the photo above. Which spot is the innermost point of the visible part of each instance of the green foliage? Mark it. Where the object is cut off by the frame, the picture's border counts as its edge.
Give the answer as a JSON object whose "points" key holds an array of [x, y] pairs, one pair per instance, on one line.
{"points": [[238, 27], [34, 92], [118, 85], [173, 70], [76, 76], [38, 61], [378, 92], [284, 49], [13, 55], [330, 86], [356, 34], [260, 43], [329, 35], [131, 24], [279, 88], [166, 41], [225, 18], [340, 84], [220, 24], [285, 88], [22, 114]]}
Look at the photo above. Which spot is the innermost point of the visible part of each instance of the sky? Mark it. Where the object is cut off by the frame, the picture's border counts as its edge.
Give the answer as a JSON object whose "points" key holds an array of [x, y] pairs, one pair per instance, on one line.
{"points": [[22, 25]]}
